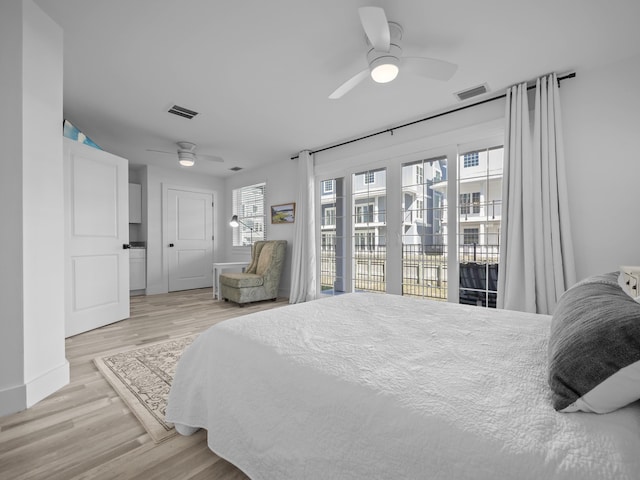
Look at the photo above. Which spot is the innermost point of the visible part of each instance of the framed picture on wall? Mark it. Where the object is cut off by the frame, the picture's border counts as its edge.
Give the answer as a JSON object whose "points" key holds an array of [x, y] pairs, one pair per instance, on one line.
{"points": [[285, 213]]}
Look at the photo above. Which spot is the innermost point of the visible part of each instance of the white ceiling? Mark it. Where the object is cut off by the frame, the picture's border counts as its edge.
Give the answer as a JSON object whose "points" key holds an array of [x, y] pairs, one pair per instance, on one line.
{"points": [[259, 72]]}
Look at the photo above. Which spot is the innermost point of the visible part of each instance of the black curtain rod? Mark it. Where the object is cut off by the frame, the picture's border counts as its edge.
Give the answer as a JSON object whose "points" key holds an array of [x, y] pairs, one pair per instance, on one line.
{"points": [[431, 117]]}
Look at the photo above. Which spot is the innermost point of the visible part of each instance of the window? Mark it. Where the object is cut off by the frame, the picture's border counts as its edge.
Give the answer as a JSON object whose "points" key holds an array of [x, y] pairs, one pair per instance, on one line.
{"points": [[419, 208], [471, 159], [327, 186], [471, 236], [329, 217], [469, 202], [364, 213], [475, 200], [465, 200], [248, 203], [369, 177], [328, 241], [440, 234]]}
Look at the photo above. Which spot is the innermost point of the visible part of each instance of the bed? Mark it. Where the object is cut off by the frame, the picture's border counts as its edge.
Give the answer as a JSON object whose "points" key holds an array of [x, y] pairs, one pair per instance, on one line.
{"points": [[373, 386]]}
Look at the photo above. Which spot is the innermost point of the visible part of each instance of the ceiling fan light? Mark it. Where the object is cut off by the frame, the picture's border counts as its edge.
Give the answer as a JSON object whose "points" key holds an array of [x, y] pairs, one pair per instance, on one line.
{"points": [[384, 69], [186, 159]]}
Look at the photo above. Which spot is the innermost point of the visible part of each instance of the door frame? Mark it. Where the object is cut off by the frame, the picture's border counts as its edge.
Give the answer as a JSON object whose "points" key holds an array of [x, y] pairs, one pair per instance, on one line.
{"points": [[165, 226]]}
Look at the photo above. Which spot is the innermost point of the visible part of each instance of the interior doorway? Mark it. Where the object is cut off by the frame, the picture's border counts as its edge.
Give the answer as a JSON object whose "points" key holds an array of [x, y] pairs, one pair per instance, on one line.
{"points": [[189, 239]]}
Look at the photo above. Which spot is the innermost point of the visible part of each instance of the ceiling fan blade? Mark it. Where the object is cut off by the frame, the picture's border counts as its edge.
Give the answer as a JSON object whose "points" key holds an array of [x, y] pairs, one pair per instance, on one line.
{"points": [[375, 24], [160, 151], [428, 67], [211, 158], [349, 84]]}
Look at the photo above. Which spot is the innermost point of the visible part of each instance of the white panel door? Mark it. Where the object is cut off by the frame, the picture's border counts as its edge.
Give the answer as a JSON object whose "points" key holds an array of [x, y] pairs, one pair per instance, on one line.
{"points": [[190, 242], [96, 226]]}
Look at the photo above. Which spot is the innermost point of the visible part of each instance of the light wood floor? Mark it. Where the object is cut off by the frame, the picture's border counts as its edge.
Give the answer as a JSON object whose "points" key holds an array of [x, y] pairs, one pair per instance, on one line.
{"points": [[85, 431]]}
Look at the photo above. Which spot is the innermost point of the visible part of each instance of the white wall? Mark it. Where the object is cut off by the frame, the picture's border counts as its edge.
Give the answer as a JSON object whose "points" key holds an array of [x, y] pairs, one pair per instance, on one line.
{"points": [[11, 307], [601, 124], [32, 361], [281, 179], [153, 178]]}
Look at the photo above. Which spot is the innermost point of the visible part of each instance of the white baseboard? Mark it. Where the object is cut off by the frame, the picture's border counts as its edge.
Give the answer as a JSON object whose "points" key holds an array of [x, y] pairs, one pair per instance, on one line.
{"points": [[20, 397], [47, 383]]}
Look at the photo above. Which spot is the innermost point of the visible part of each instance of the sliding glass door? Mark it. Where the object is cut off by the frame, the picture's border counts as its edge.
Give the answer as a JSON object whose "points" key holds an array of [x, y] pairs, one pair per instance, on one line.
{"points": [[332, 237], [445, 242], [369, 230], [479, 216], [424, 235]]}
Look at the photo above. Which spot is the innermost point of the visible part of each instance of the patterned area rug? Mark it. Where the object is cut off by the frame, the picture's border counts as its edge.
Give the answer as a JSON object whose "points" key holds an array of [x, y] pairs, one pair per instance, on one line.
{"points": [[142, 377]]}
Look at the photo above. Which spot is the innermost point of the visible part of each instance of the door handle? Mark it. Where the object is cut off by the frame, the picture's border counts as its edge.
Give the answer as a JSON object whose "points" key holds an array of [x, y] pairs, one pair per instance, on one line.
{"points": [[126, 246], [171, 244]]}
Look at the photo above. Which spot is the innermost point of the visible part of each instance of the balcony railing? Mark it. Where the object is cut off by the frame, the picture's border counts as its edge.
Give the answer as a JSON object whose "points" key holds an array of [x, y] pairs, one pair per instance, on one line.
{"points": [[424, 271], [491, 210], [475, 252]]}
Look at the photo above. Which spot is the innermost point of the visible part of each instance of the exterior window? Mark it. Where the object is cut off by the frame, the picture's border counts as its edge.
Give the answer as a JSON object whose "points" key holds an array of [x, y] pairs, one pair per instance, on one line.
{"points": [[471, 236], [469, 202], [364, 213], [419, 208], [471, 160], [248, 203], [369, 177], [327, 186], [419, 174], [329, 216], [475, 200], [465, 201], [328, 242]]}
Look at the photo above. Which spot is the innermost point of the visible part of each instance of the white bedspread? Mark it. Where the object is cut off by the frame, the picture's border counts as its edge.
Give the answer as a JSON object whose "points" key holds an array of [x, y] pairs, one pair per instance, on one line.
{"points": [[371, 386]]}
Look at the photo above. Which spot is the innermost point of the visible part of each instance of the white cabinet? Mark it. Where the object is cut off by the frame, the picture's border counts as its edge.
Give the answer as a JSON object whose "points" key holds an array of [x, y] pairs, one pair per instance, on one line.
{"points": [[135, 203], [137, 269]]}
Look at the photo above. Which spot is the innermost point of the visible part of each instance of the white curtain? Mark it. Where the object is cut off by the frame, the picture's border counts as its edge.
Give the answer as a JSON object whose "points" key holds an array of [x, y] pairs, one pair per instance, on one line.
{"points": [[303, 258], [536, 250]]}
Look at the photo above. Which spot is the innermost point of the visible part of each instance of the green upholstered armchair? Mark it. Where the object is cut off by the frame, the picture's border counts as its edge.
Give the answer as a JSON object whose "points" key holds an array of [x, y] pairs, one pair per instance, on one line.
{"points": [[261, 278]]}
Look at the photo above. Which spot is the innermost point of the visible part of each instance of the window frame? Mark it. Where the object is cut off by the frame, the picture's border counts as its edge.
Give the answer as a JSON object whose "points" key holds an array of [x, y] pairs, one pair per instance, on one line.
{"points": [[369, 177], [470, 232], [249, 203], [470, 159], [330, 189]]}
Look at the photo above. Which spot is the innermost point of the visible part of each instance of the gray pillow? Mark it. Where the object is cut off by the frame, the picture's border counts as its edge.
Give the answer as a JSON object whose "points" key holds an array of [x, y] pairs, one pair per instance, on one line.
{"points": [[594, 347]]}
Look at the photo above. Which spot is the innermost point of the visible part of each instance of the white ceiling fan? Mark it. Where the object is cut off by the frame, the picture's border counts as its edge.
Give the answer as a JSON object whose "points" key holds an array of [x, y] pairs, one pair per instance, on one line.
{"points": [[385, 54], [187, 154]]}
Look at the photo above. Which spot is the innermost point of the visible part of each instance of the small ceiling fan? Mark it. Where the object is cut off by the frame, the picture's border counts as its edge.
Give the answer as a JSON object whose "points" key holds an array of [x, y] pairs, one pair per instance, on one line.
{"points": [[187, 154], [385, 54]]}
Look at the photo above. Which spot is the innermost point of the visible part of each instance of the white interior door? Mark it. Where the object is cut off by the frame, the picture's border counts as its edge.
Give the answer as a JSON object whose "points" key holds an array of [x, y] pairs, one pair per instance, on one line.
{"points": [[190, 239], [96, 226]]}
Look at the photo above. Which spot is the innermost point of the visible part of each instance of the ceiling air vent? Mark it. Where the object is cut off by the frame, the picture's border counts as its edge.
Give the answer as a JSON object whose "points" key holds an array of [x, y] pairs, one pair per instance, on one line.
{"points": [[471, 92], [182, 112], [235, 169]]}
